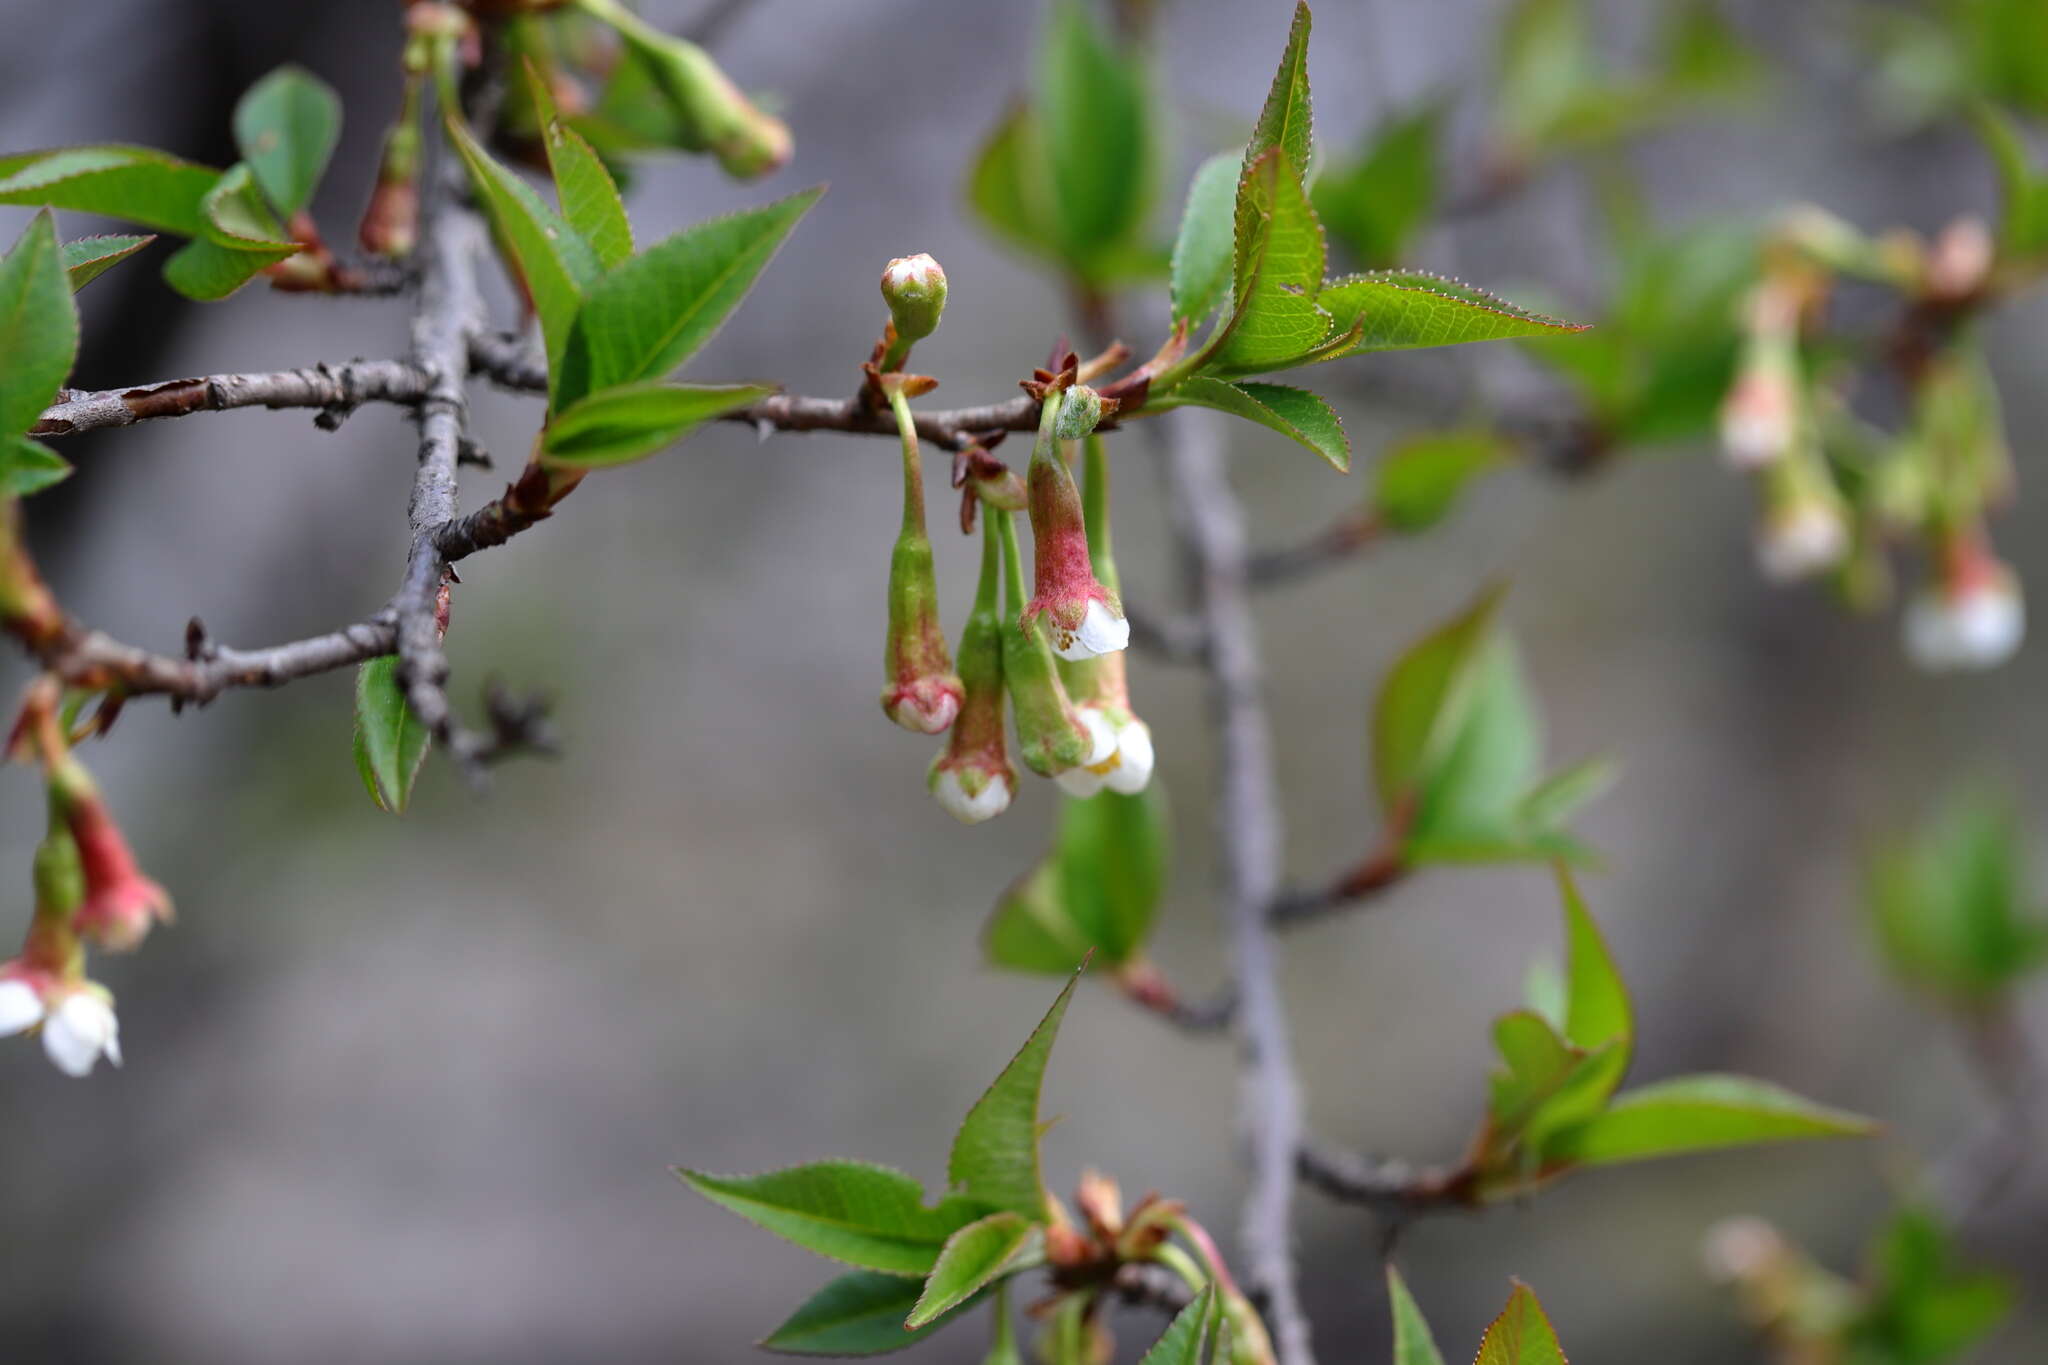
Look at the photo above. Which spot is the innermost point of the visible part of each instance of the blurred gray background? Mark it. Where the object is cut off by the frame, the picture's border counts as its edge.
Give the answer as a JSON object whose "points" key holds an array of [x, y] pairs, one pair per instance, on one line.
{"points": [[406, 1090]]}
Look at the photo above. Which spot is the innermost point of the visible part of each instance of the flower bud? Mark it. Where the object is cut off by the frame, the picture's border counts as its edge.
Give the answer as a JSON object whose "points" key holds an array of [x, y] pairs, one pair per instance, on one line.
{"points": [[714, 116], [120, 903], [1082, 617], [1971, 617], [914, 287], [1960, 260], [1805, 528], [973, 778], [390, 225], [923, 693], [1760, 415], [1080, 409]]}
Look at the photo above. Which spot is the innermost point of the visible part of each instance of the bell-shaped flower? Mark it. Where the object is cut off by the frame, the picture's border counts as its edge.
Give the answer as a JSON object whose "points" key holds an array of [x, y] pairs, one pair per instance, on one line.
{"points": [[972, 778], [1099, 686], [1082, 616], [1759, 420], [1805, 527], [76, 1016], [923, 693], [120, 905], [1971, 617], [1052, 734]]}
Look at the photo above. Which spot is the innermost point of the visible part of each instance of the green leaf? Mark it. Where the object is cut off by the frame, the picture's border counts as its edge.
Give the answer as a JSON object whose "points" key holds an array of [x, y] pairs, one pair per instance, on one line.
{"points": [[240, 239], [390, 742], [1009, 187], [1188, 1337], [1546, 66], [1413, 1343], [87, 258], [1488, 745], [974, 1257], [1553, 801], [630, 421], [1275, 319], [1099, 890], [589, 197], [286, 127], [135, 183], [2024, 229], [1096, 114], [1409, 731], [1694, 1114], [38, 330], [1376, 205], [1421, 478], [1596, 1003], [995, 1154], [553, 260], [1405, 309], [1521, 1335], [652, 313], [1285, 121], [1032, 929], [866, 1216], [1202, 251], [1950, 907], [1924, 1306], [859, 1314], [1295, 413], [29, 466]]}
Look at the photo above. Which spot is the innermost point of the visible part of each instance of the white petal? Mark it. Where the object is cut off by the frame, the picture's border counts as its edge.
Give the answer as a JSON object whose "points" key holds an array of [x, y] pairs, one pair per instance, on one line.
{"points": [[1134, 759], [951, 794], [1102, 630], [1807, 539], [1080, 782], [1980, 629], [78, 1031], [1101, 736], [21, 1008]]}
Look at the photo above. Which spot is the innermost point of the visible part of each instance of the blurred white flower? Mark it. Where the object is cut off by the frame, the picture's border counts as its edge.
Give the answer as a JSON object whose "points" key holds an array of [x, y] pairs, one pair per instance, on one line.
{"points": [[1974, 625], [1805, 538], [78, 1020]]}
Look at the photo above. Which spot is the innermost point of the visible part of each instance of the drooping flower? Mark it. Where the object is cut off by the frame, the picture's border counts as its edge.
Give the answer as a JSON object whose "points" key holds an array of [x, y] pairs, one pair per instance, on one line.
{"points": [[1052, 735], [77, 1017], [121, 904], [972, 778], [1972, 617], [1082, 616], [1760, 416], [923, 693], [1805, 526], [1099, 686]]}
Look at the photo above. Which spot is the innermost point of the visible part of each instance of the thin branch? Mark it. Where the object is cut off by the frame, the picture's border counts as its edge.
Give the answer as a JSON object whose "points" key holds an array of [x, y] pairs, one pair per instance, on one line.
{"points": [[334, 389], [1210, 525], [1339, 541]]}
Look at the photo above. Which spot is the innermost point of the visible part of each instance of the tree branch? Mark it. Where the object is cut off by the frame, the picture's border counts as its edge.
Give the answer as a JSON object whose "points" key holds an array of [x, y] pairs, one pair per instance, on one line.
{"points": [[1210, 525], [335, 389]]}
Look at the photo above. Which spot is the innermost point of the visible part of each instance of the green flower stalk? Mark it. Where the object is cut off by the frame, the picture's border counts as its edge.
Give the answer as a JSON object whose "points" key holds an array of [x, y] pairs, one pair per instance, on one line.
{"points": [[1051, 735], [390, 225], [923, 693], [715, 116], [973, 778], [1098, 685]]}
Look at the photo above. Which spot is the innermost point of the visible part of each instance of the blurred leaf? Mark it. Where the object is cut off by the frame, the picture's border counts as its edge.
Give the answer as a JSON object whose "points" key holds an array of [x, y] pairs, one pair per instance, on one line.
{"points": [[629, 421], [87, 258], [1285, 121], [1295, 413], [1950, 906], [1420, 479], [390, 742], [859, 1314], [1275, 320], [286, 128], [135, 183], [1704, 55], [1521, 1335], [1402, 310], [975, 1255], [29, 466], [552, 259], [1420, 690], [1201, 254], [1923, 1306], [1099, 890], [241, 237], [1545, 66], [1376, 204], [995, 1153], [1009, 186], [866, 1216], [2023, 231], [1555, 799], [1097, 118], [1189, 1336], [38, 331], [1596, 1003], [1413, 1344], [1467, 803], [590, 200], [654, 312], [1694, 1114]]}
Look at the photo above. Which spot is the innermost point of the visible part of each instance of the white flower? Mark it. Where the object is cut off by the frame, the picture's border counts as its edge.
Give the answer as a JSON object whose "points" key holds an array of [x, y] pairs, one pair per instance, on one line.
{"points": [[1803, 539], [1972, 627], [1757, 420], [80, 1031], [1134, 757], [1102, 632], [78, 1021], [21, 1009], [972, 808]]}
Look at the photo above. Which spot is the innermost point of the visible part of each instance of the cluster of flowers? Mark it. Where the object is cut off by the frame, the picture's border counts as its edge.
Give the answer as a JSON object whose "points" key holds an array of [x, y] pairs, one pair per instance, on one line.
{"points": [[1781, 423], [1057, 657], [88, 891]]}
